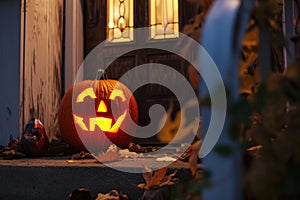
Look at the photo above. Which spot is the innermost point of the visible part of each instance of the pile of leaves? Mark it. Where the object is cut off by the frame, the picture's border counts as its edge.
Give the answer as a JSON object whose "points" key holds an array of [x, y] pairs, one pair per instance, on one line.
{"points": [[12, 151], [132, 147]]}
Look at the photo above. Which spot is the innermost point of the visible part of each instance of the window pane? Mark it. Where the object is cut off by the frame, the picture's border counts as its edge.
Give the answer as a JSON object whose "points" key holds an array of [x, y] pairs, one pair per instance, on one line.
{"points": [[120, 20], [163, 19]]}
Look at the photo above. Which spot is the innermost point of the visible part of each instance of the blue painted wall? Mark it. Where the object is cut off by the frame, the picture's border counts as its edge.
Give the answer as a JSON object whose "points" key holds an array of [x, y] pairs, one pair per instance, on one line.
{"points": [[10, 11]]}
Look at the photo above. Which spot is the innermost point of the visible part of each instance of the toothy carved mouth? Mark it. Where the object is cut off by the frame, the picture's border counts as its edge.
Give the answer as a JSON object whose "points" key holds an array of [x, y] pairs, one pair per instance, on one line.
{"points": [[105, 124]]}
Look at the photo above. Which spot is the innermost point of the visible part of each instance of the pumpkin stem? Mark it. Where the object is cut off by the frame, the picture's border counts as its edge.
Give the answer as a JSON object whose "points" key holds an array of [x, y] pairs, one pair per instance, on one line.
{"points": [[101, 75]]}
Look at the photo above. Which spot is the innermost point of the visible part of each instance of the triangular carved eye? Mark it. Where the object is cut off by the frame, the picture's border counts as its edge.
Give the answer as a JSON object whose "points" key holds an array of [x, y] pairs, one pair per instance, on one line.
{"points": [[117, 93], [102, 107]]}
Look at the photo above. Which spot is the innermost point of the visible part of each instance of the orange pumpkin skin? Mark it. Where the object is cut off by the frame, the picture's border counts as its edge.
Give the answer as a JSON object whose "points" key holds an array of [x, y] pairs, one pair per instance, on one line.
{"points": [[86, 97]]}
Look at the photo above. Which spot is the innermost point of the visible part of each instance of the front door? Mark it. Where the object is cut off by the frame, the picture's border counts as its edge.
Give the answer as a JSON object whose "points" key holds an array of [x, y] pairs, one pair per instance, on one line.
{"points": [[99, 26]]}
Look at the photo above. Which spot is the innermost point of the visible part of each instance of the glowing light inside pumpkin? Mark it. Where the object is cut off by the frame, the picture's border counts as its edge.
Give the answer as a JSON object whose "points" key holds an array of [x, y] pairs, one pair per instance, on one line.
{"points": [[118, 123], [89, 92], [80, 123], [105, 124], [102, 107]]}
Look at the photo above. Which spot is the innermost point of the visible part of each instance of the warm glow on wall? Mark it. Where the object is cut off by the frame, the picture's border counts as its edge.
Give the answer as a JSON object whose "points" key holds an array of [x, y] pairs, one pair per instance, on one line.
{"points": [[164, 21], [120, 20]]}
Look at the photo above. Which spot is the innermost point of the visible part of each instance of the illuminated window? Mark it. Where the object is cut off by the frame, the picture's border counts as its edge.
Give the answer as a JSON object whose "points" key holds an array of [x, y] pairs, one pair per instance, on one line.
{"points": [[120, 20], [164, 21]]}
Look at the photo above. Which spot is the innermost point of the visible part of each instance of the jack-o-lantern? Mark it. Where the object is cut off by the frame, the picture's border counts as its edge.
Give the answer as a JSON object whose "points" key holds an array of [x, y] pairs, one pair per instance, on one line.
{"points": [[86, 111]]}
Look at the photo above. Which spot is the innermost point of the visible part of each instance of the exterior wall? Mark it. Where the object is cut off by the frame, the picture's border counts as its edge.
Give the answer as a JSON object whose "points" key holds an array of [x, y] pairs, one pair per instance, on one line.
{"points": [[31, 50], [41, 65], [73, 40], [10, 69]]}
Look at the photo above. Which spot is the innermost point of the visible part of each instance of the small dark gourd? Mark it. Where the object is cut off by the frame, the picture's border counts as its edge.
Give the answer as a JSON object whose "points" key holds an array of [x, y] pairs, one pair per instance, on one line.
{"points": [[34, 139]]}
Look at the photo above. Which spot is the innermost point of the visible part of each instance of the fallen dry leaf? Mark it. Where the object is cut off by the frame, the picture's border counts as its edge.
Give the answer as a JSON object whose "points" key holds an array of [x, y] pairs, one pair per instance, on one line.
{"points": [[157, 179], [127, 154], [112, 195], [193, 160], [82, 155], [166, 159], [108, 156]]}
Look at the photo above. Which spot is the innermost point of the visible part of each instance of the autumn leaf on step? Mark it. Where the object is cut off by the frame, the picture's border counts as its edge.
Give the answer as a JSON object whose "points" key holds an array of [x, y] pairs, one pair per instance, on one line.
{"points": [[112, 195], [110, 155], [193, 160], [157, 179], [147, 175], [168, 180]]}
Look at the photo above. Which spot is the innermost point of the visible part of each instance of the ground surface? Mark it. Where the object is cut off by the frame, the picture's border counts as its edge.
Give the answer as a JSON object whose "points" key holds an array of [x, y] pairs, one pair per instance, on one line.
{"points": [[56, 177]]}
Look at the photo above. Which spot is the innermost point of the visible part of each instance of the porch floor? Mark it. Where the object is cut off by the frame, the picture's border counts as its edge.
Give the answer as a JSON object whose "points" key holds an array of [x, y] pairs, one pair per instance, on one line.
{"points": [[57, 177]]}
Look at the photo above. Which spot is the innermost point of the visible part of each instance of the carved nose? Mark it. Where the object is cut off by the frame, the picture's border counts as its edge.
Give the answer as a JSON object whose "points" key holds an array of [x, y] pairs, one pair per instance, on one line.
{"points": [[102, 107]]}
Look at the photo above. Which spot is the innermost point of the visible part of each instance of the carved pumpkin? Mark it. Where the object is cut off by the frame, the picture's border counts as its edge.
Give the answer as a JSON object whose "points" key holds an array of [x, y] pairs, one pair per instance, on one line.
{"points": [[91, 115]]}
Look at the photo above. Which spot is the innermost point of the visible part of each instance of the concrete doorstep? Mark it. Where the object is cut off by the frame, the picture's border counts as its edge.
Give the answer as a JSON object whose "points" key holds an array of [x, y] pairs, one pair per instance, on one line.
{"points": [[56, 178]]}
